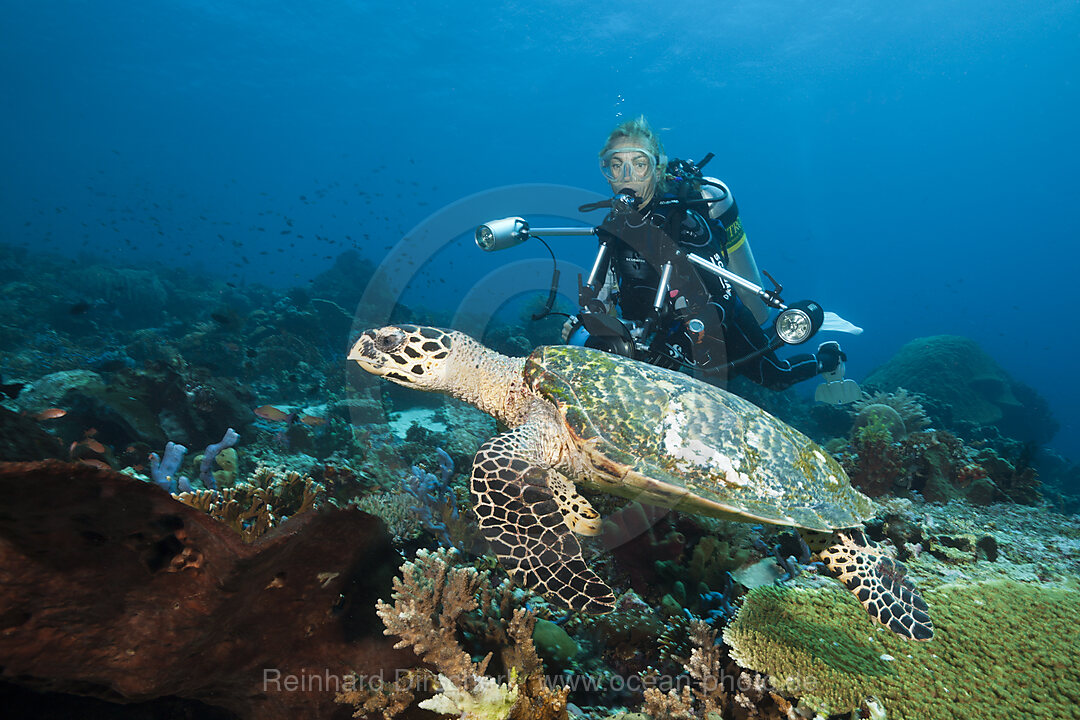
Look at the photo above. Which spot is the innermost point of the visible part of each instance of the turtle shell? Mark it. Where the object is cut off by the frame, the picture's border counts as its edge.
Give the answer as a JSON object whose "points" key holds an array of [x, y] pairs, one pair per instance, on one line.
{"points": [[664, 438]]}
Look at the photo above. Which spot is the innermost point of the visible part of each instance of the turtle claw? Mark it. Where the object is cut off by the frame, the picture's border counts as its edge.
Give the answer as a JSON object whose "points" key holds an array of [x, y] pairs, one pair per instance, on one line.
{"points": [[578, 513]]}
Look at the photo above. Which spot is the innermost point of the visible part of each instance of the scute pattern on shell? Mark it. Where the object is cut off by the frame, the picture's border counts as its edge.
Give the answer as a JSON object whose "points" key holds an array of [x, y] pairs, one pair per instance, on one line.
{"points": [[706, 448]]}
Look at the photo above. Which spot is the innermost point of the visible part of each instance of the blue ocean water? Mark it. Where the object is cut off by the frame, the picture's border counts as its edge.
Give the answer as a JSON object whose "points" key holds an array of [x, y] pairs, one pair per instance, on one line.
{"points": [[911, 166]]}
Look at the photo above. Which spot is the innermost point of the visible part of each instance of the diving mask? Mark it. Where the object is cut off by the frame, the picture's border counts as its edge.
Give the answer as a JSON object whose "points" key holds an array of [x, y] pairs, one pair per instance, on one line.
{"points": [[627, 164]]}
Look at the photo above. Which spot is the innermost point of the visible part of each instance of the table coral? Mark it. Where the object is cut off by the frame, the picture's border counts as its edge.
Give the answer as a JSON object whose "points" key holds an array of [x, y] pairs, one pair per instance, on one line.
{"points": [[1002, 649]]}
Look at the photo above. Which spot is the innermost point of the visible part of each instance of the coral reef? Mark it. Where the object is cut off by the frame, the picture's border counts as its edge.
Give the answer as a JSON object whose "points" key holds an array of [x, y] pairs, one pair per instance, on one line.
{"points": [[1006, 645], [937, 465], [899, 411], [252, 509], [432, 601], [109, 381], [966, 386]]}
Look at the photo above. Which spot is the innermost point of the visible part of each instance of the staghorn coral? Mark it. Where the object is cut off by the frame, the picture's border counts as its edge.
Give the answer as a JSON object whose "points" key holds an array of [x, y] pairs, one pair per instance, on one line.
{"points": [[1006, 645], [393, 508], [429, 598], [707, 696], [387, 699], [433, 600]]}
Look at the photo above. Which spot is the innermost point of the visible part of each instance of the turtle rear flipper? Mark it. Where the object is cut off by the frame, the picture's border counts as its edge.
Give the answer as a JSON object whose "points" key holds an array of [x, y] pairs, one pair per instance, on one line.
{"points": [[880, 583], [521, 519]]}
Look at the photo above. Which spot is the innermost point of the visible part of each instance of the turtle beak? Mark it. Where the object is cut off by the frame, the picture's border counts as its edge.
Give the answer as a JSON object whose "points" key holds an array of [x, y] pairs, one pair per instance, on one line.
{"points": [[366, 354]]}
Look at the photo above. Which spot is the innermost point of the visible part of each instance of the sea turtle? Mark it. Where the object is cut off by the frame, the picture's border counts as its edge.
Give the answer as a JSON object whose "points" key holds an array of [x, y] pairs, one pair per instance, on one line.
{"points": [[577, 415]]}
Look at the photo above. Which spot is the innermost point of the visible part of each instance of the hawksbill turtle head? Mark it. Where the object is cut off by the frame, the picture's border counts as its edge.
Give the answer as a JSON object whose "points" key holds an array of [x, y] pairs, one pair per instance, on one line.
{"points": [[407, 354]]}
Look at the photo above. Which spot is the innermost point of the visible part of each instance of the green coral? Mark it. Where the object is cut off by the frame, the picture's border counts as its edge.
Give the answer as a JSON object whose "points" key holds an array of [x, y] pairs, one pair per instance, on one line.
{"points": [[553, 643], [877, 429], [713, 557], [1002, 649]]}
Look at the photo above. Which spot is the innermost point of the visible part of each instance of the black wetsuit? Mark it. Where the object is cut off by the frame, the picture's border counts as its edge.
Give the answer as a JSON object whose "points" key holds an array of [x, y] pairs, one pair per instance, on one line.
{"points": [[640, 242]]}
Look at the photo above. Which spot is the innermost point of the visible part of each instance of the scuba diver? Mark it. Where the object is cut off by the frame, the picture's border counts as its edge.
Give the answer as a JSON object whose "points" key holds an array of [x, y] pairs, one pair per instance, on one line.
{"points": [[662, 213]]}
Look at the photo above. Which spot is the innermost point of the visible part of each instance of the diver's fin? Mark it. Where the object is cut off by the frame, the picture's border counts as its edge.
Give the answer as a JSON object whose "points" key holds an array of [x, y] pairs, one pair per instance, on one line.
{"points": [[836, 390], [835, 323]]}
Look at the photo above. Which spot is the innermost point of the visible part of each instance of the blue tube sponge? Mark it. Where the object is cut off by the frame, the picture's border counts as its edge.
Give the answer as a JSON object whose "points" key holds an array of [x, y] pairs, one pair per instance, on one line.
{"points": [[163, 470], [205, 474]]}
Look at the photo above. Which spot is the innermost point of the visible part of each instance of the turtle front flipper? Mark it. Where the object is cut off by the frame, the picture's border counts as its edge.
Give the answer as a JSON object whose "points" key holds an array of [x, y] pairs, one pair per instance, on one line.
{"points": [[522, 520], [880, 583]]}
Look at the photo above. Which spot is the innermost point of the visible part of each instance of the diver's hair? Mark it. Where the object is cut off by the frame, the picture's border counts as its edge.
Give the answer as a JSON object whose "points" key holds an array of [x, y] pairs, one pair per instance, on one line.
{"points": [[639, 129]]}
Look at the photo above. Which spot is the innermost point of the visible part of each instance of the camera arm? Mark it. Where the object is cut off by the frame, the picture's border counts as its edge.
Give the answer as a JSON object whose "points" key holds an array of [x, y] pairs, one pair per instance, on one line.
{"points": [[795, 324]]}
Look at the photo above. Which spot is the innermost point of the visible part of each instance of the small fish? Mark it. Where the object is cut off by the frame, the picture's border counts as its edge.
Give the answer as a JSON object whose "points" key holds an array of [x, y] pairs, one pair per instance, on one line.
{"points": [[93, 445], [100, 464], [312, 420], [272, 413], [50, 414], [79, 308]]}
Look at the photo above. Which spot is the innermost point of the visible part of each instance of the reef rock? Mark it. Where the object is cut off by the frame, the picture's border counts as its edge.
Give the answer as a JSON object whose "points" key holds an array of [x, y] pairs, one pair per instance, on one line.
{"points": [[112, 589], [22, 438]]}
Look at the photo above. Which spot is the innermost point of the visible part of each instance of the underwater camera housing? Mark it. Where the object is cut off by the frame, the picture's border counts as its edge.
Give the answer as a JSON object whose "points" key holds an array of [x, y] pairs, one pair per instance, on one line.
{"points": [[596, 328]]}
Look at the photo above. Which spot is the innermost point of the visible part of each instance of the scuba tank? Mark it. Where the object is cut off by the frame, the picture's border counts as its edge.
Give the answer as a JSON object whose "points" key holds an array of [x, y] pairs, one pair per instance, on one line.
{"points": [[740, 257], [703, 193]]}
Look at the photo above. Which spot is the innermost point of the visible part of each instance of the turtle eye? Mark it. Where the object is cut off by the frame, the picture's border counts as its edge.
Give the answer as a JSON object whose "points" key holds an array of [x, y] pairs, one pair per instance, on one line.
{"points": [[389, 340]]}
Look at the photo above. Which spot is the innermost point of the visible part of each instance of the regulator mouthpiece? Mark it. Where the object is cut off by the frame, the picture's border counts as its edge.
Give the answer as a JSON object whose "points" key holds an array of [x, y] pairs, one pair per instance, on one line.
{"points": [[624, 201]]}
